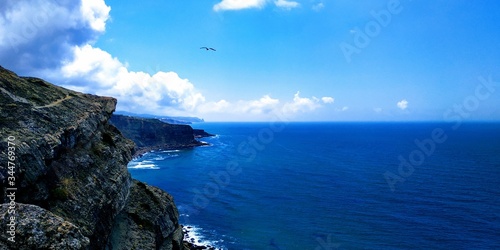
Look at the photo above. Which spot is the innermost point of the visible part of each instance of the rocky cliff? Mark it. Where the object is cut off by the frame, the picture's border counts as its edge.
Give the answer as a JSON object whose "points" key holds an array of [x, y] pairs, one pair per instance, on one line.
{"points": [[68, 177], [149, 134]]}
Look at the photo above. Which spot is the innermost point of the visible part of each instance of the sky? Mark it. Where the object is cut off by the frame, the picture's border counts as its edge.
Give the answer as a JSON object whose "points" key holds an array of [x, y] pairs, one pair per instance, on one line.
{"points": [[302, 60]]}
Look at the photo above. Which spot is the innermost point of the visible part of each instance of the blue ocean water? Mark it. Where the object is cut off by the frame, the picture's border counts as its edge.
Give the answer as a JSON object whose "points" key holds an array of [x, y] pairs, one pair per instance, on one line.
{"points": [[336, 185]]}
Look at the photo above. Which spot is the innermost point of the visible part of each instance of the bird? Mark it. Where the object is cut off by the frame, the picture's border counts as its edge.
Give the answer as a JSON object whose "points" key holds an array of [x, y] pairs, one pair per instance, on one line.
{"points": [[206, 48]]}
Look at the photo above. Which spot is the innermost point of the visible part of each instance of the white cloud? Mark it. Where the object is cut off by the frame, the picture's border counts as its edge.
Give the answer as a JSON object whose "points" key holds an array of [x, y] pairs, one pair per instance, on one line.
{"points": [[161, 93], [285, 4], [328, 99], [214, 107], [39, 34], [403, 104], [377, 110], [96, 12], [318, 6], [300, 104], [249, 4], [263, 105], [55, 43], [238, 4]]}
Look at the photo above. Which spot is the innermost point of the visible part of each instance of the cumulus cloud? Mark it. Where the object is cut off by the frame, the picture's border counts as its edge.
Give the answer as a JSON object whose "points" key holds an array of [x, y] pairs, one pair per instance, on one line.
{"points": [[239, 4], [403, 104], [285, 4], [95, 70], [263, 105], [39, 34], [266, 106], [327, 99], [54, 39], [255, 4], [96, 12], [301, 104]]}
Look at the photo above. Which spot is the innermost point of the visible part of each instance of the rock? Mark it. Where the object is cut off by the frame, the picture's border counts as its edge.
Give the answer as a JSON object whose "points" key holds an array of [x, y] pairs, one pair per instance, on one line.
{"points": [[152, 134], [70, 161], [200, 133], [148, 221], [37, 228]]}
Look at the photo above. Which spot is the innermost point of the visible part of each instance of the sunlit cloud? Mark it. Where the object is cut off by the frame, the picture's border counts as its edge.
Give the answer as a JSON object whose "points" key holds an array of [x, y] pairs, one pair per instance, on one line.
{"points": [[226, 5], [301, 104], [287, 5], [238, 4], [328, 99], [266, 105], [58, 44], [97, 71], [37, 35], [403, 104]]}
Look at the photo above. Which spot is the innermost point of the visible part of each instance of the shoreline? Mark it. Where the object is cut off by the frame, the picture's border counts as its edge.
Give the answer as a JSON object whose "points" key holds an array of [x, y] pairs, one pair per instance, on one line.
{"points": [[139, 152], [192, 241]]}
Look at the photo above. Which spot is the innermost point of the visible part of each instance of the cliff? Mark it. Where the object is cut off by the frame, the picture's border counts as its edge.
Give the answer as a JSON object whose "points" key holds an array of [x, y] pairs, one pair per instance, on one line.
{"points": [[69, 177], [149, 133]]}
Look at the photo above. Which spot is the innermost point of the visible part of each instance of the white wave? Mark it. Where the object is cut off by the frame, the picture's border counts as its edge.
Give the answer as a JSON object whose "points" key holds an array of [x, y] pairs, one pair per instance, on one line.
{"points": [[171, 151], [194, 235], [140, 165]]}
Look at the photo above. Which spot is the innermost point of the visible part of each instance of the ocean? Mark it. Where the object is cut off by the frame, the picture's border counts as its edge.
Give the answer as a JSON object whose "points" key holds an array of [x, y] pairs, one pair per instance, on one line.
{"points": [[336, 185]]}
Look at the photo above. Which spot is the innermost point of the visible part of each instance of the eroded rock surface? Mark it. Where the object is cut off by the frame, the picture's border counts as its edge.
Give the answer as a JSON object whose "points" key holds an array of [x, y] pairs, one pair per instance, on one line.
{"points": [[71, 162]]}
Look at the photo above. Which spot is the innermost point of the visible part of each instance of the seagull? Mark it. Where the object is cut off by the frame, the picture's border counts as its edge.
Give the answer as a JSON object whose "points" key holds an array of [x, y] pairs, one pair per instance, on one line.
{"points": [[207, 48]]}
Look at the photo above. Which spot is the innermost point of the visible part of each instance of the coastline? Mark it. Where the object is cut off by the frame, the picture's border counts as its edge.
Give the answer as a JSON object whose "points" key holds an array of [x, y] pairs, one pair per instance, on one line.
{"points": [[193, 241], [139, 152]]}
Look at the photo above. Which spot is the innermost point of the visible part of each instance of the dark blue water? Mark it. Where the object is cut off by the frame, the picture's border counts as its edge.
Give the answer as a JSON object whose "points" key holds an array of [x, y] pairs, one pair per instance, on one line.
{"points": [[337, 185]]}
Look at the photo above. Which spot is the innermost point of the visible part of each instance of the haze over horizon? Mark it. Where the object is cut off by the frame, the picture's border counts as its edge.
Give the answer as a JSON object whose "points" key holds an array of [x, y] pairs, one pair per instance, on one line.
{"points": [[314, 60]]}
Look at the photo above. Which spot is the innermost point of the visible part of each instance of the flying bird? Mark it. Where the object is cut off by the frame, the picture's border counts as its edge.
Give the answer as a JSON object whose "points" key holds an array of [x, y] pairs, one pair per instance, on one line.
{"points": [[206, 48]]}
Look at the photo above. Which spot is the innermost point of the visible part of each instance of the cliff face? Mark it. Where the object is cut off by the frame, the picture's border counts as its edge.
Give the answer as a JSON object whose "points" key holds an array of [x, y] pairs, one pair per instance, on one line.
{"points": [[71, 169], [152, 133]]}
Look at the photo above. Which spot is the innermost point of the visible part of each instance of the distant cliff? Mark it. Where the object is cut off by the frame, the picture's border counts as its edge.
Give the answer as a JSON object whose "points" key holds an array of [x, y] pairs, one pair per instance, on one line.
{"points": [[69, 177], [167, 119], [149, 134]]}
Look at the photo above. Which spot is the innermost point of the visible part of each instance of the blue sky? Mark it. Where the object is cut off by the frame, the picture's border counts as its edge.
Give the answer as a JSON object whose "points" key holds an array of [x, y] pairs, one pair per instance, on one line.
{"points": [[304, 60]]}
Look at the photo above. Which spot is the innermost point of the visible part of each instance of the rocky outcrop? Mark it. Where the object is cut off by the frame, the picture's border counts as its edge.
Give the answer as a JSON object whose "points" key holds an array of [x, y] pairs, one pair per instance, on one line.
{"points": [[149, 221], [200, 133], [71, 165], [150, 134], [42, 229]]}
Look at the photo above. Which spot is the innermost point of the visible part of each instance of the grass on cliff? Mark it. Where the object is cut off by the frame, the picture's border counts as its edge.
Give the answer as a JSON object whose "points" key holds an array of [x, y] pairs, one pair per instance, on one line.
{"points": [[64, 190]]}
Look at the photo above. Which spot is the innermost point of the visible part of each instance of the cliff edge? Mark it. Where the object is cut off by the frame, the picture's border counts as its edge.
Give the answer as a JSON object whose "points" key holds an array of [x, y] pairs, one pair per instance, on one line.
{"points": [[153, 134], [64, 178]]}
